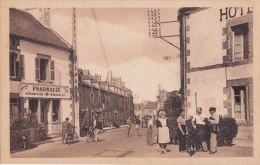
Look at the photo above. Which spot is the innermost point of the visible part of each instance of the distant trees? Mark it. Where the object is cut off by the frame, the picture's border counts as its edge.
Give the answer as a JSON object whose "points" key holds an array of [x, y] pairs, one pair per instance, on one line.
{"points": [[172, 105], [172, 108]]}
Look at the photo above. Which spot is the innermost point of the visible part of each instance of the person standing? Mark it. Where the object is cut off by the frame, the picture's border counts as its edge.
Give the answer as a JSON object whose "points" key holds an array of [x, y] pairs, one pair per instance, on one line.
{"points": [[137, 126], [129, 124], [213, 120], [94, 123], [182, 131], [150, 131], [64, 129], [199, 125], [163, 135]]}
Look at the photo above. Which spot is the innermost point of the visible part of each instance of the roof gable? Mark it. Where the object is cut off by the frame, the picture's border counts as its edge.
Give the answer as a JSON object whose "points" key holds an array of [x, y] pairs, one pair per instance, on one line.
{"points": [[24, 25]]}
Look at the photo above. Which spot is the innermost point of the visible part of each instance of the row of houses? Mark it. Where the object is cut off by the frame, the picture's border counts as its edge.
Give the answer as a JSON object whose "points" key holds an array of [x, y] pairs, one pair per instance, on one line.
{"points": [[44, 84], [108, 101]]}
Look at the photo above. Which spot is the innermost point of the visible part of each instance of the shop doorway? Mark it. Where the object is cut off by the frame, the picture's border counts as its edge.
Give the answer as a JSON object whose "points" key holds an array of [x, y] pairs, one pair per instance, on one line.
{"points": [[44, 108]]}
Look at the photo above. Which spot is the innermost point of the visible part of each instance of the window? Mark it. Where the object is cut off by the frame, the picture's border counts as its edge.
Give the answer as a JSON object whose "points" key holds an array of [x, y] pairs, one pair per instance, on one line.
{"points": [[16, 65], [92, 97], [44, 68], [42, 113], [14, 109], [240, 102], [55, 110], [239, 42]]}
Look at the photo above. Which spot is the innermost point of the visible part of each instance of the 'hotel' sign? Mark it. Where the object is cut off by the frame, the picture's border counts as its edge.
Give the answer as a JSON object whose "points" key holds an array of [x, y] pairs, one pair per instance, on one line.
{"points": [[43, 91], [232, 12]]}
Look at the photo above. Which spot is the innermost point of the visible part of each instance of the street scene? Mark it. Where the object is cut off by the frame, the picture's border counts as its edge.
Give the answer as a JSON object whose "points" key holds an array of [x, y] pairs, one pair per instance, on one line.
{"points": [[131, 82], [115, 143]]}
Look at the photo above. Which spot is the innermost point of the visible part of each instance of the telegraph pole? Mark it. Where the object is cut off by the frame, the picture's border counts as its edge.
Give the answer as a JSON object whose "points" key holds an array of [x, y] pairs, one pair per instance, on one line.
{"points": [[74, 66]]}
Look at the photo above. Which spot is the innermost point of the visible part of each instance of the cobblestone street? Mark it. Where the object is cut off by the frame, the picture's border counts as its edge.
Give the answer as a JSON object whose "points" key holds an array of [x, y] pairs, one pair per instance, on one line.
{"points": [[115, 143]]}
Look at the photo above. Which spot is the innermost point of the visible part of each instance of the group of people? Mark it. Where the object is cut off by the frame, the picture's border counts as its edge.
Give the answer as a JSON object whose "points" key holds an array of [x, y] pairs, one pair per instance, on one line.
{"points": [[201, 130], [195, 133]]}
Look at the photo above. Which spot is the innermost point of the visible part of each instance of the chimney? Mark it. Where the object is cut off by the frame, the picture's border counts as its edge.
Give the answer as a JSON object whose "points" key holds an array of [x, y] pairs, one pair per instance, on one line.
{"points": [[45, 16]]}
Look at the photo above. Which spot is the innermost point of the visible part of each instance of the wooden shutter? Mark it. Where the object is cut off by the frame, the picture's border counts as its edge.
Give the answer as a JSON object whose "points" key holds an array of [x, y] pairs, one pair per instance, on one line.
{"points": [[52, 70], [21, 65], [238, 48], [37, 69]]}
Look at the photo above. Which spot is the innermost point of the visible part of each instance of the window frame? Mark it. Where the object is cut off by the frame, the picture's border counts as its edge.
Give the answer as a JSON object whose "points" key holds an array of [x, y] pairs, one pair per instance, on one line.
{"points": [[241, 29]]}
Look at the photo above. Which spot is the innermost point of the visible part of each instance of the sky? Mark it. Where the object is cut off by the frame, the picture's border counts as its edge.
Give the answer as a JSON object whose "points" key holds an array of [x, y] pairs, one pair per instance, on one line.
{"points": [[129, 51]]}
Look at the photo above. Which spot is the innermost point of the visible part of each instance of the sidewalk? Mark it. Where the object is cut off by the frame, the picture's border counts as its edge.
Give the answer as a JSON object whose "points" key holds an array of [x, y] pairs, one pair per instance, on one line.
{"points": [[54, 139]]}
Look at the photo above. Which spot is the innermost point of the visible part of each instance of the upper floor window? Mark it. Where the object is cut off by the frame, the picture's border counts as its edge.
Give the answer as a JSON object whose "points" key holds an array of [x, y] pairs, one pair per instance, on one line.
{"points": [[44, 68], [16, 65], [240, 42]]}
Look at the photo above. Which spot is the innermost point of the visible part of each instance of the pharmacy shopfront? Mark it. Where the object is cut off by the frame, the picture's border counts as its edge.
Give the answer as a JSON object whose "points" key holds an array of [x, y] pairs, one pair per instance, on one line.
{"points": [[50, 104]]}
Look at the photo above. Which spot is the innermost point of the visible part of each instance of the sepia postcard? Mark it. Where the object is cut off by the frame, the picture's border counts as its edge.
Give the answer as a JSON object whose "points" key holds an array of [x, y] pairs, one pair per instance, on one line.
{"points": [[130, 82]]}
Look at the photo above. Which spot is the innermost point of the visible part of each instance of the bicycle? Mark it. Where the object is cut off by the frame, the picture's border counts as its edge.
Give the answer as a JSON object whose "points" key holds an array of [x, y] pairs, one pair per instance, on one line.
{"points": [[72, 136]]}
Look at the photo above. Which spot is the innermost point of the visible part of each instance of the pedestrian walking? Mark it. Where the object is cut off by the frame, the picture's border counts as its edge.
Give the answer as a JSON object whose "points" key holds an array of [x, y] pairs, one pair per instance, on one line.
{"points": [[213, 120], [129, 123], [64, 129], [163, 135], [200, 127], [137, 126], [150, 131], [182, 131]]}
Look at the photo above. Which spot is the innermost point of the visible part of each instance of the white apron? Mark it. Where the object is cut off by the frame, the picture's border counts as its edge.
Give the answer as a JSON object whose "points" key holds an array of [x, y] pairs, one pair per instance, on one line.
{"points": [[163, 132]]}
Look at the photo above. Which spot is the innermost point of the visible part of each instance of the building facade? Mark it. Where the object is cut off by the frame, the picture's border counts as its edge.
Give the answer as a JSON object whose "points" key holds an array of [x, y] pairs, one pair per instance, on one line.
{"points": [[217, 60], [107, 101], [40, 79]]}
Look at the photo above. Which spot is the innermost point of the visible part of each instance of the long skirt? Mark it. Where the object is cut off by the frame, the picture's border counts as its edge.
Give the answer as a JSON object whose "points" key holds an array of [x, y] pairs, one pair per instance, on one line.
{"points": [[182, 138], [149, 136]]}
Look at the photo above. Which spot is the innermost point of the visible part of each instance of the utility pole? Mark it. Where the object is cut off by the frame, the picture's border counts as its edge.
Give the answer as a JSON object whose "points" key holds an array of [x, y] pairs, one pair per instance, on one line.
{"points": [[74, 69]]}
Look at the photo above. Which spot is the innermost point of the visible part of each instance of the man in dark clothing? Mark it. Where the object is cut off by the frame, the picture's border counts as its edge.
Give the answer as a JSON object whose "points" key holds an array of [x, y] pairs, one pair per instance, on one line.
{"points": [[64, 131]]}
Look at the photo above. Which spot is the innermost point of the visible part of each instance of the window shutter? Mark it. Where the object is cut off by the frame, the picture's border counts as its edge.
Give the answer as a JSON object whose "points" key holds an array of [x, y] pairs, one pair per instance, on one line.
{"points": [[37, 69], [21, 65], [52, 70], [238, 48]]}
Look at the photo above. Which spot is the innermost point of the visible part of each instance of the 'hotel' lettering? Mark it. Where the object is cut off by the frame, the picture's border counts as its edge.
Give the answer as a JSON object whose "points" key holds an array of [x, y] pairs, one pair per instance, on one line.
{"points": [[232, 12]]}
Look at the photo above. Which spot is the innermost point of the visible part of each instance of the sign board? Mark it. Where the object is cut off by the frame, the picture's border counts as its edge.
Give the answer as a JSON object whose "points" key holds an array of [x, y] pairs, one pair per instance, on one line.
{"points": [[44, 91]]}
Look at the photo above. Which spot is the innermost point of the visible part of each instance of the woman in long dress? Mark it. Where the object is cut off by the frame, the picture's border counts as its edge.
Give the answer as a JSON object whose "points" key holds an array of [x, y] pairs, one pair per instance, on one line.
{"points": [[163, 135]]}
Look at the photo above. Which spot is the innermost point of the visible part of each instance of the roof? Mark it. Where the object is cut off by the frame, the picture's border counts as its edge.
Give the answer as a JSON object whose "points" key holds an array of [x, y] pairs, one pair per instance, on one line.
{"points": [[87, 83], [151, 105], [26, 26]]}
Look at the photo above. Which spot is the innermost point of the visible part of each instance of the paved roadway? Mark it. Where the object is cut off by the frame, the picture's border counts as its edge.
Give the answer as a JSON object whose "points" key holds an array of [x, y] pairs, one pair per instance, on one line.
{"points": [[115, 143]]}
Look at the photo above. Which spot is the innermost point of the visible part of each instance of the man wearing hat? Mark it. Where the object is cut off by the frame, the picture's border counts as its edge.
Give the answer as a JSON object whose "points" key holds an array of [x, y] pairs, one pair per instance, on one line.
{"points": [[213, 120]]}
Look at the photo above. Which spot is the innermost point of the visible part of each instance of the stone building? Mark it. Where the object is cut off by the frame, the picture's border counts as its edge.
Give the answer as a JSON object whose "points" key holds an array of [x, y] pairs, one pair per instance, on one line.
{"points": [[217, 60], [107, 101]]}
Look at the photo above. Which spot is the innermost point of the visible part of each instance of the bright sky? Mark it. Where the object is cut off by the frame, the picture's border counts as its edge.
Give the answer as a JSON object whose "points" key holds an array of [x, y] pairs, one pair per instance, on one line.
{"points": [[131, 54]]}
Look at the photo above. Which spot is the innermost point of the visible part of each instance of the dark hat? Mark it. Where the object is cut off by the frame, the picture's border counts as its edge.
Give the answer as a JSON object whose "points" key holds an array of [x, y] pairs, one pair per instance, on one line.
{"points": [[212, 109]]}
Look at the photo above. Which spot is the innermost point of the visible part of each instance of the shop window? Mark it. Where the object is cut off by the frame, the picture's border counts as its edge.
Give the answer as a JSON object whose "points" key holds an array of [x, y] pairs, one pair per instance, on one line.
{"points": [[16, 66], [43, 111], [55, 110], [240, 42], [44, 68]]}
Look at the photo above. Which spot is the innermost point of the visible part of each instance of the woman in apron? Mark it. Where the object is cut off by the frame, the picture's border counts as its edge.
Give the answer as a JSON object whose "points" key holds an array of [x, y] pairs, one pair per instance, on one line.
{"points": [[163, 135]]}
